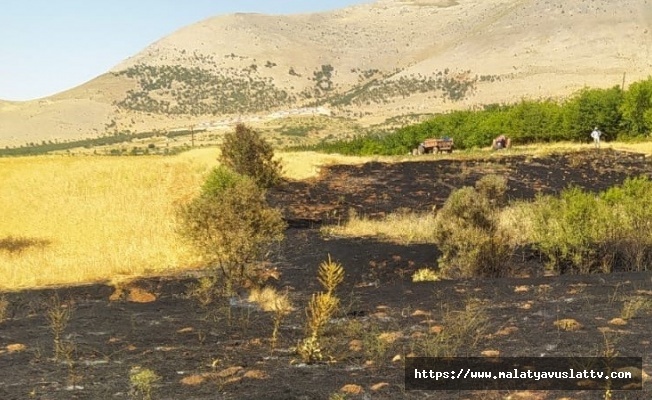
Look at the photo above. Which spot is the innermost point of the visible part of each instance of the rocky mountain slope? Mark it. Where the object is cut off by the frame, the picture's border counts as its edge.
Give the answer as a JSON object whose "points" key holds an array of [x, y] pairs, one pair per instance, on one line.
{"points": [[370, 62]]}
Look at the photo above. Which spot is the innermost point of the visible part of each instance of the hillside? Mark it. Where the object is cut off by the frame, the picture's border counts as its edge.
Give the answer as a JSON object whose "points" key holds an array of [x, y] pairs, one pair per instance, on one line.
{"points": [[367, 62]]}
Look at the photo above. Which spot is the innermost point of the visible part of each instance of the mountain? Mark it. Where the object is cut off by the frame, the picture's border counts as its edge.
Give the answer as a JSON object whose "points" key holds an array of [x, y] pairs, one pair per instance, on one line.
{"points": [[369, 62]]}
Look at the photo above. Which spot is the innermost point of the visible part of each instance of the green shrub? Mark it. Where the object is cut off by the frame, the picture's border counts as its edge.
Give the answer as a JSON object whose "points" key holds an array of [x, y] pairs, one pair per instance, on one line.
{"points": [[492, 188], [220, 179], [631, 205], [468, 234], [568, 230], [231, 225], [585, 233], [247, 153], [142, 382]]}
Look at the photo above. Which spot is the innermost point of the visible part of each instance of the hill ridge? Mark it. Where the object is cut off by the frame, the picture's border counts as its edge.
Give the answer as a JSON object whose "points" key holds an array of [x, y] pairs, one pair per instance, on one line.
{"points": [[368, 62]]}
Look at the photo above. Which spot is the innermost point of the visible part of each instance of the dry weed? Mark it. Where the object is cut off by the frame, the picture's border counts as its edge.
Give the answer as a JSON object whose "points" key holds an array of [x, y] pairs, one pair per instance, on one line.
{"points": [[58, 315], [462, 331], [270, 300], [634, 305], [403, 227], [425, 275], [330, 275], [4, 306]]}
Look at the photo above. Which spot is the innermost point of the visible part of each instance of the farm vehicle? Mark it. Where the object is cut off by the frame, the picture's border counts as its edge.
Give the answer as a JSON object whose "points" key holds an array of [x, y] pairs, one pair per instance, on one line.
{"points": [[501, 142], [435, 146]]}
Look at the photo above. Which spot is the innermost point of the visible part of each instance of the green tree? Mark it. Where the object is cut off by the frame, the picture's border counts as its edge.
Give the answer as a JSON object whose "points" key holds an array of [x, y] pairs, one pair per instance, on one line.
{"points": [[535, 121], [246, 152], [593, 107], [637, 107]]}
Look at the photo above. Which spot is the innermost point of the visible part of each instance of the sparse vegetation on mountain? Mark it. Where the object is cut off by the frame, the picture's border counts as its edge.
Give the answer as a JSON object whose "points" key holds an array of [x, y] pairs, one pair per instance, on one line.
{"points": [[382, 90], [174, 89], [323, 77]]}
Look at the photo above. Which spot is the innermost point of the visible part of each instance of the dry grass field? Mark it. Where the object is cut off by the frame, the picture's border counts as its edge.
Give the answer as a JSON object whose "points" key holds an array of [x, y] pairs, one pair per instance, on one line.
{"points": [[68, 220], [403, 227], [81, 219]]}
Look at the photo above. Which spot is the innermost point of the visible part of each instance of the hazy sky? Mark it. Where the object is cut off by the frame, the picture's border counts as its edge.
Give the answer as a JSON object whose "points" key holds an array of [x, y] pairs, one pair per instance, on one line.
{"points": [[47, 46]]}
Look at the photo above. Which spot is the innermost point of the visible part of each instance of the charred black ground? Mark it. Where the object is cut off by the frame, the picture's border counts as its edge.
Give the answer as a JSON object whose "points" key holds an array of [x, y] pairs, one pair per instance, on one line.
{"points": [[200, 355]]}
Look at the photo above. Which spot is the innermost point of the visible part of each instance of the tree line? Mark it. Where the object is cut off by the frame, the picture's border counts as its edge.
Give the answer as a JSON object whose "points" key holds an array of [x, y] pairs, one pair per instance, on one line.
{"points": [[619, 114]]}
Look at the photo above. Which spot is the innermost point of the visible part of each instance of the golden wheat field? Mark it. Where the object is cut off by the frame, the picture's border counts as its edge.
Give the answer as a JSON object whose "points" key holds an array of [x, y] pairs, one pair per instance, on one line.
{"points": [[88, 218], [79, 219]]}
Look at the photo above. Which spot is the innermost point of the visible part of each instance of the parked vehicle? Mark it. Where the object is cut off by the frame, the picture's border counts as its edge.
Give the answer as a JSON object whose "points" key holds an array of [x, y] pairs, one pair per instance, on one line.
{"points": [[435, 146]]}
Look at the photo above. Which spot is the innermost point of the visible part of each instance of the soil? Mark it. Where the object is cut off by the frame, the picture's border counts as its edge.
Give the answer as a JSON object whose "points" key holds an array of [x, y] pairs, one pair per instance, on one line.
{"points": [[224, 351]]}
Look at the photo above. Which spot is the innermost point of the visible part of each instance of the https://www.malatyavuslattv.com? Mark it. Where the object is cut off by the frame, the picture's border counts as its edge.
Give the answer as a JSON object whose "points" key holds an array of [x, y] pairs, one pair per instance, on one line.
{"points": [[553, 373]]}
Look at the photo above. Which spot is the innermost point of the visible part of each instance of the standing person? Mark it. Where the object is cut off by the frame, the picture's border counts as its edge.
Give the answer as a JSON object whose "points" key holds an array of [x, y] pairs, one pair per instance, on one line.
{"points": [[596, 134]]}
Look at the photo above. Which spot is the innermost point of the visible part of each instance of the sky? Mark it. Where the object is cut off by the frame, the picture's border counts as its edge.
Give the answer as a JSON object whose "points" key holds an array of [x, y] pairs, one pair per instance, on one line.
{"points": [[47, 46]]}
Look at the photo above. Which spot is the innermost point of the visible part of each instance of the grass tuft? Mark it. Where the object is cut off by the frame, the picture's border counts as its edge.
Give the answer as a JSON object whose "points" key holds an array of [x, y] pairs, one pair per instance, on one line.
{"points": [[4, 306], [403, 227], [425, 275]]}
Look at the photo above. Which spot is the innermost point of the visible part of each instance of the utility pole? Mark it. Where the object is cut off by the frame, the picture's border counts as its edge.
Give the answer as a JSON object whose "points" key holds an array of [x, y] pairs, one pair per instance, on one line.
{"points": [[623, 85]]}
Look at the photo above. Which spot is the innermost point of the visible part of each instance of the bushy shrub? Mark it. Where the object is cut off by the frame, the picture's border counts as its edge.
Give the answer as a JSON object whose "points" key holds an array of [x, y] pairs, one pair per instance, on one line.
{"points": [[468, 234], [220, 179], [492, 188], [583, 232], [231, 225], [631, 205], [568, 229], [246, 152]]}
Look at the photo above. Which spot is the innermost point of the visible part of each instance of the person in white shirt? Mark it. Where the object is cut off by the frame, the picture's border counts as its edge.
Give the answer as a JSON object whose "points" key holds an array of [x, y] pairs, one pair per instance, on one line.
{"points": [[596, 134]]}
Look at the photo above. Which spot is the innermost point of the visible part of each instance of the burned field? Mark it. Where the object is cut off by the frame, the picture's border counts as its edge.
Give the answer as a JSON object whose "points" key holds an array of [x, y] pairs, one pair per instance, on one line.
{"points": [[90, 342], [376, 188]]}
